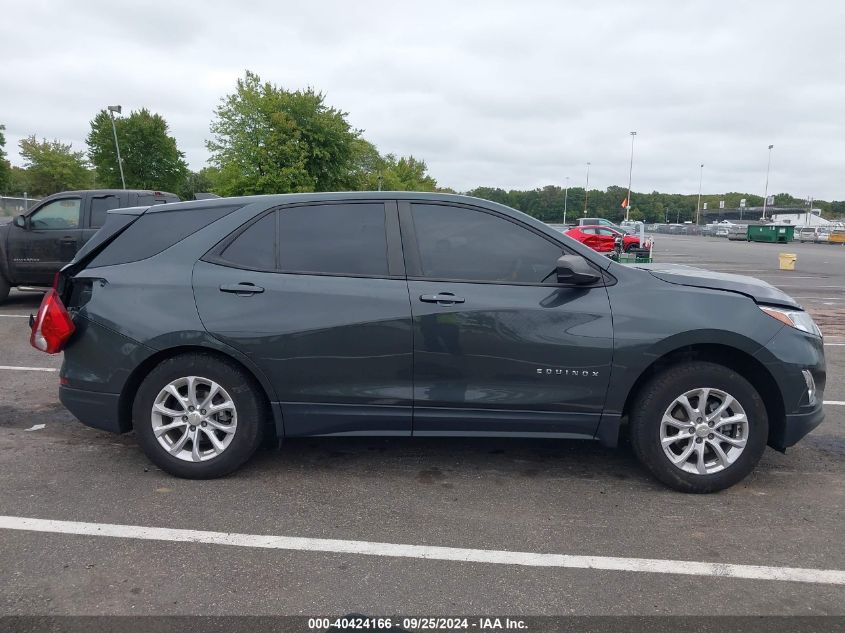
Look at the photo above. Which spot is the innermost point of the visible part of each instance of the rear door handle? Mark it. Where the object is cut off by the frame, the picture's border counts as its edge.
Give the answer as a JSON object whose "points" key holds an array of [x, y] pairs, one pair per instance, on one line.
{"points": [[444, 298], [244, 289]]}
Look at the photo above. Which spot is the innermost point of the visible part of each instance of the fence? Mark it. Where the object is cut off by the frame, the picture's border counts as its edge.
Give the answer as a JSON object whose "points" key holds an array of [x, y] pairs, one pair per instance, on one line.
{"points": [[13, 206]]}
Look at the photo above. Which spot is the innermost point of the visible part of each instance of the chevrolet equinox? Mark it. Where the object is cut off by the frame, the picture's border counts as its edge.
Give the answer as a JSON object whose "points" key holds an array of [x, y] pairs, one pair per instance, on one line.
{"points": [[206, 326]]}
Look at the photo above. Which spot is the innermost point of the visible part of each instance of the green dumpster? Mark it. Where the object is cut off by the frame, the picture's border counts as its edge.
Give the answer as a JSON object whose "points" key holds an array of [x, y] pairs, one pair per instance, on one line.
{"points": [[771, 233]]}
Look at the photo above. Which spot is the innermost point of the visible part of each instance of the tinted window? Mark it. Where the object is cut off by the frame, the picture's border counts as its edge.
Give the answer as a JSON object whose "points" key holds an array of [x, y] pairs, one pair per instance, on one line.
{"points": [[256, 246], [342, 239], [153, 232], [459, 243], [100, 205], [58, 214]]}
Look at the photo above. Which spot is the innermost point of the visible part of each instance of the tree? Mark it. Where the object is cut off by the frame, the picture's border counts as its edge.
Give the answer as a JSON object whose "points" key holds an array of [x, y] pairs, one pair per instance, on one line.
{"points": [[270, 140], [53, 166], [367, 167], [5, 166], [372, 171], [406, 174], [201, 181], [20, 181], [151, 159]]}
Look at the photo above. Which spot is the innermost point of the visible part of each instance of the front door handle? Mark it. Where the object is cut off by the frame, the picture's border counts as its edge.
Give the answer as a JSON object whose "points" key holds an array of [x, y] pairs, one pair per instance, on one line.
{"points": [[444, 298], [243, 289]]}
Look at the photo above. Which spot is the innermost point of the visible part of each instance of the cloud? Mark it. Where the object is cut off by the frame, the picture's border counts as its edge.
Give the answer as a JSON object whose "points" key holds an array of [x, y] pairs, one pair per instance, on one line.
{"points": [[503, 94]]}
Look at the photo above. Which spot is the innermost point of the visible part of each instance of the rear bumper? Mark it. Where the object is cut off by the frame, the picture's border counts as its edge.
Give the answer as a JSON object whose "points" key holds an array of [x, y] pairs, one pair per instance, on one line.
{"points": [[93, 408]]}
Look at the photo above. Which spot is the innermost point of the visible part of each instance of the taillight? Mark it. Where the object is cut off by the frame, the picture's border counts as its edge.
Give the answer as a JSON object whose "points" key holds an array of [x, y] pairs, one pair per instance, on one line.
{"points": [[56, 280], [53, 325]]}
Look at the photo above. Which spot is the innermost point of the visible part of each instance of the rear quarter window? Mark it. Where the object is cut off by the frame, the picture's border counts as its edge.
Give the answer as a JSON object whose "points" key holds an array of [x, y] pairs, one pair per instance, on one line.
{"points": [[152, 233]]}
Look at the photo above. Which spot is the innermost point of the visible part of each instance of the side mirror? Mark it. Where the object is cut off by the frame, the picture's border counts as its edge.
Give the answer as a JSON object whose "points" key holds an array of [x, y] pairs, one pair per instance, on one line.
{"points": [[572, 269], [19, 221]]}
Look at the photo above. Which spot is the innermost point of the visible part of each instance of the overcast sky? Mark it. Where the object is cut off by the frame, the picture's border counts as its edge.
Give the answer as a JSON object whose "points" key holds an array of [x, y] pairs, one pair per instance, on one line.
{"points": [[512, 94]]}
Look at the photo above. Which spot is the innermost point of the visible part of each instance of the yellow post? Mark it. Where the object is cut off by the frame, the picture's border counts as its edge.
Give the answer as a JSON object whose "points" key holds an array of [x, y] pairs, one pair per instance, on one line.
{"points": [[787, 261]]}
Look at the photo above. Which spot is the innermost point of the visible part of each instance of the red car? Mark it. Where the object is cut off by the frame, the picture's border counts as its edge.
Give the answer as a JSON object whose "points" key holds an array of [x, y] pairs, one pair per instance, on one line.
{"points": [[603, 238]]}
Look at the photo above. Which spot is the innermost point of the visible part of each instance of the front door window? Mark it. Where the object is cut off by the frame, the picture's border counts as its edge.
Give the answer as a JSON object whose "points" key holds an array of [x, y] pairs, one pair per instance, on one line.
{"points": [[58, 215]]}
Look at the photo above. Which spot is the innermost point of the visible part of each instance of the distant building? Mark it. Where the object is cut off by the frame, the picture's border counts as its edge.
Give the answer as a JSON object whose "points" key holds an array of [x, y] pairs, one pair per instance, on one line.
{"points": [[755, 214], [807, 218]]}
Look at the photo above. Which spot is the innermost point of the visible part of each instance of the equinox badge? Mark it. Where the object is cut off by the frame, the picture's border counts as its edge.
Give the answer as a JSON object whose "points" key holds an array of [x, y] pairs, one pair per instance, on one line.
{"points": [[566, 372]]}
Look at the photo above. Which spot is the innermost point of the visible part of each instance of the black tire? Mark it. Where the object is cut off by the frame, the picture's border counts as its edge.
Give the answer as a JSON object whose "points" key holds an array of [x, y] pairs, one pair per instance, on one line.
{"points": [[244, 393], [5, 287], [659, 393]]}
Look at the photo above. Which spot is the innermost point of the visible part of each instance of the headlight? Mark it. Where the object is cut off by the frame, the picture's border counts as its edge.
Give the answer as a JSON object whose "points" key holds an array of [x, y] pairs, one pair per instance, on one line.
{"points": [[798, 319]]}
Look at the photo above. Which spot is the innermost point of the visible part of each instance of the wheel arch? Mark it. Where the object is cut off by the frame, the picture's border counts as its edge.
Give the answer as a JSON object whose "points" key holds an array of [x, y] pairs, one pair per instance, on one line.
{"points": [[130, 387], [736, 359]]}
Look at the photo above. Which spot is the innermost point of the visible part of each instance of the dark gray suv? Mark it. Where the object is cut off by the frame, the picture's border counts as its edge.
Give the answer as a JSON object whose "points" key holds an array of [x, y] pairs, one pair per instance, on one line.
{"points": [[207, 326]]}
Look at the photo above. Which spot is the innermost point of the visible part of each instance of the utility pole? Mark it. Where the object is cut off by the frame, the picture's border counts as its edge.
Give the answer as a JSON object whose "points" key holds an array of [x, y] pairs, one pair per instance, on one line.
{"points": [[700, 179], [630, 172], [766, 193], [112, 110], [565, 197], [587, 190]]}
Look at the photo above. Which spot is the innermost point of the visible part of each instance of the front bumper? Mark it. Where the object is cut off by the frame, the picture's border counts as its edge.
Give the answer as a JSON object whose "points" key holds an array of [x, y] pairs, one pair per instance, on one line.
{"points": [[788, 356], [797, 426], [93, 408]]}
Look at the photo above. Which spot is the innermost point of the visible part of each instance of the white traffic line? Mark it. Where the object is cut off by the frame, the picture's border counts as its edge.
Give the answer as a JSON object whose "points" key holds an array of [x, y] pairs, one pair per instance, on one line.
{"points": [[840, 403], [15, 316], [15, 368], [834, 344], [427, 552]]}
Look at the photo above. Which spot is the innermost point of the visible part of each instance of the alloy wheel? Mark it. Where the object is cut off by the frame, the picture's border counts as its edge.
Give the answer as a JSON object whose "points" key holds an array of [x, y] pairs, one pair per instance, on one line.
{"points": [[704, 431], [194, 419]]}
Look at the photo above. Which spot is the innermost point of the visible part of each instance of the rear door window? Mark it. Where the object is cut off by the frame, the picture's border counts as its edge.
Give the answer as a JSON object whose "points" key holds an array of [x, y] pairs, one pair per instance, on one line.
{"points": [[334, 239], [254, 247], [100, 206]]}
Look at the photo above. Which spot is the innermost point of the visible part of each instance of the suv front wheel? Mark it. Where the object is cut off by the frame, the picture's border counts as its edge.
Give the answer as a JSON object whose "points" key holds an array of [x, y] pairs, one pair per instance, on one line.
{"points": [[699, 427]]}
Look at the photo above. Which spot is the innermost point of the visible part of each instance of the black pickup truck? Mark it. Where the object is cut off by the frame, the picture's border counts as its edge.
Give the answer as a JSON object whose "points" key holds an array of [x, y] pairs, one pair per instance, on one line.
{"points": [[35, 245]]}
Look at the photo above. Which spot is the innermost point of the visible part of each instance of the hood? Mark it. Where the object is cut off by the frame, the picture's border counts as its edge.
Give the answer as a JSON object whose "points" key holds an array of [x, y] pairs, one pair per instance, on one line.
{"points": [[683, 275]]}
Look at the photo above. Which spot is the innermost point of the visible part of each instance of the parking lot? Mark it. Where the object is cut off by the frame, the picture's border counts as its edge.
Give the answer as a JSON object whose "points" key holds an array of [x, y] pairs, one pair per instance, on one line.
{"points": [[500, 509]]}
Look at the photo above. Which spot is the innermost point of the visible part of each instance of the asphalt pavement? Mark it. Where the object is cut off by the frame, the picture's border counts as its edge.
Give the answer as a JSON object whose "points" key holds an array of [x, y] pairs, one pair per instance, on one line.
{"points": [[503, 496]]}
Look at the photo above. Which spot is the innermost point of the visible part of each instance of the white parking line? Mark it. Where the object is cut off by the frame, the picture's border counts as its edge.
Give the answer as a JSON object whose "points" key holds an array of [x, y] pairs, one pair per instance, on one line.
{"points": [[369, 548], [840, 403], [15, 316], [15, 368]]}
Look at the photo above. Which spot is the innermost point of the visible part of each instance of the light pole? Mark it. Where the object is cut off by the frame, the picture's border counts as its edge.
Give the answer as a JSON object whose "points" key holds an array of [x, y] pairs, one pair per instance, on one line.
{"points": [[630, 172], [565, 196], [700, 179], [766, 193], [587, 190], [112, 110]]}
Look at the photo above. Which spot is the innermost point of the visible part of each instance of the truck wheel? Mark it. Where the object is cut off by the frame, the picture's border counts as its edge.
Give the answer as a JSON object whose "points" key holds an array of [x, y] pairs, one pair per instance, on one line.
{"points": [[5, 287], [699, 427], [198, 416]]}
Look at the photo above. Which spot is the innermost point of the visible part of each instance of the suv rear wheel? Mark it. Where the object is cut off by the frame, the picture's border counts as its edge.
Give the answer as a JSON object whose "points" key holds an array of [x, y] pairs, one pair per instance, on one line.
{"points": [[198, 416], [699, 427]]}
